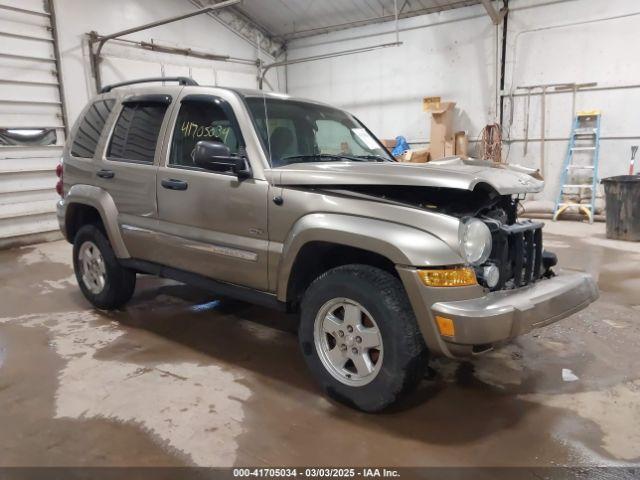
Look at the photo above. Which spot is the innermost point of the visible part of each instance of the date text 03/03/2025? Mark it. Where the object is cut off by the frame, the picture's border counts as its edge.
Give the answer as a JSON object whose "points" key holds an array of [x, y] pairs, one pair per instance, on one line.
{"points": [[323, 472]]}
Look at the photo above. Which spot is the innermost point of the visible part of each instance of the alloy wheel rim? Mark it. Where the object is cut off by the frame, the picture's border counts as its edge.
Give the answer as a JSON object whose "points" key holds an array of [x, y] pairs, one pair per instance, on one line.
{"points": [[348, 341], [92, 267]]}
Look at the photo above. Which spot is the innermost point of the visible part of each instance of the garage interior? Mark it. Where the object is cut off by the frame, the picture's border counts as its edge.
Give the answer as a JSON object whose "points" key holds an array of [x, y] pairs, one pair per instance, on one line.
{"points": [[181, 377]]}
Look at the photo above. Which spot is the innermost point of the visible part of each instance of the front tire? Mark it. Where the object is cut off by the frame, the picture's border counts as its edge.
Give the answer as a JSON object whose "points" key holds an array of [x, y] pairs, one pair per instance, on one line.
{"points": [[360, 338], [102, 280]]}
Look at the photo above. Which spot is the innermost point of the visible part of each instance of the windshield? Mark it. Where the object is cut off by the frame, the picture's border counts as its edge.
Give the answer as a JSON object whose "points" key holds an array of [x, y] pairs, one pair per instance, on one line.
{"points": [[301, 132]]}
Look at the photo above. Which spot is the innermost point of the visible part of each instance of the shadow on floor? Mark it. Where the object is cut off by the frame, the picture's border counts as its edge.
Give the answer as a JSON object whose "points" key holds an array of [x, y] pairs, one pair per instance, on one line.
{"points": [[442, 411]]}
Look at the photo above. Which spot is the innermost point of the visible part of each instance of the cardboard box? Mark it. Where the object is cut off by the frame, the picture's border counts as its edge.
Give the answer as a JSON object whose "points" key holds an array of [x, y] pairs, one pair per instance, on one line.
{"points": [[390, 144], [430, 103], [462, 144], [441, 128], [420, 155], [449, 147]]}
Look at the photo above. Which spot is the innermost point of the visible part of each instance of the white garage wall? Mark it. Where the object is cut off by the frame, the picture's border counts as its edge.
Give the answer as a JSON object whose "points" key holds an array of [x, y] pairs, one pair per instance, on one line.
{"points": [[448, 54], [452, 54], [27, 178], [29, 100], [604, 50], [78, 17]]}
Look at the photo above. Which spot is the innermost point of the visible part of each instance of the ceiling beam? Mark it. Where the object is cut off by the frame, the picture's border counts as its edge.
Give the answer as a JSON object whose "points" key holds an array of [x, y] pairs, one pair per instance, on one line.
{"points": [[244, 26], [403, 13], [101, 40], [176, 18], [496, 17]]}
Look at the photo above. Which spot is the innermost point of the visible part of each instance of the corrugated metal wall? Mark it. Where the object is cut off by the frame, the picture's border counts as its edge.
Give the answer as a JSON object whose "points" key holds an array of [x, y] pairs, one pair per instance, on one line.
{"points": [[32, 130]]}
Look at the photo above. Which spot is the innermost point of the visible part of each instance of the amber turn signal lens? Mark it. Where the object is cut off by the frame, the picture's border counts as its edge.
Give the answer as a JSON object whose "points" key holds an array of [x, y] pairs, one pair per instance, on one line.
{"points": [[450, 277], [445, 325]]}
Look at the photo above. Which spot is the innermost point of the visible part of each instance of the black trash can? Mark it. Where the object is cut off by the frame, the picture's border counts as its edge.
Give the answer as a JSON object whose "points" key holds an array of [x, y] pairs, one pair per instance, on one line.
{"points": [[623, 207]]}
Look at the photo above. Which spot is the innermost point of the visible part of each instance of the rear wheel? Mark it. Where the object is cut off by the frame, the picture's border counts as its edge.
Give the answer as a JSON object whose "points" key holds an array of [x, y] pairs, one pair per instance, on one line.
{"points": [[102, 280], [360, 338]]}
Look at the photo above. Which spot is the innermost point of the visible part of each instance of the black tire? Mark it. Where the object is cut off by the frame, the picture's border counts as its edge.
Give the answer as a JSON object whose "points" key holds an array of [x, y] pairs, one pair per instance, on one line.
{"points": [[382, 295], [120, 282]]}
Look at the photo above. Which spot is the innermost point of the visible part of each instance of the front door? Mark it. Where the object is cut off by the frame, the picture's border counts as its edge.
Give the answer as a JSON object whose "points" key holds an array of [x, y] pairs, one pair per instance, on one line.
{"points": [[210, 222]]}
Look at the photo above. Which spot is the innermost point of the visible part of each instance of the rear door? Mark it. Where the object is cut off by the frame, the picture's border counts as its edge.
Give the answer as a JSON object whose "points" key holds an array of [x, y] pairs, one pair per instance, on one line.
{"points": [[214, 224], [128, 169]]}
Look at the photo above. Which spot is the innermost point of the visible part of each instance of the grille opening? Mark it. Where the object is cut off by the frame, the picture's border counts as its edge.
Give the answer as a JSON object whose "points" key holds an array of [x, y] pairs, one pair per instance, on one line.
{"points": [[517, 252]]}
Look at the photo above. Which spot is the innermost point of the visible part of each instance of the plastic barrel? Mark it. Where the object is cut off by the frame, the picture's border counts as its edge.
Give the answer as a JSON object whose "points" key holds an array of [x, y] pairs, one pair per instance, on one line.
{"points": [[623, 207]]}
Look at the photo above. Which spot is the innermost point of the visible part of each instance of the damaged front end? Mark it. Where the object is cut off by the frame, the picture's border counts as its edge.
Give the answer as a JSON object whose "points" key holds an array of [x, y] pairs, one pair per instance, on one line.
{"points": [[517, 255], [472, 210], [461, 188]]}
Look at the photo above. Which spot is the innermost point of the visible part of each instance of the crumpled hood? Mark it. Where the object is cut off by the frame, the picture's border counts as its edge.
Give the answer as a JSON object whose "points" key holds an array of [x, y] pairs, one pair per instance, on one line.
{"points": [[453, 172]]}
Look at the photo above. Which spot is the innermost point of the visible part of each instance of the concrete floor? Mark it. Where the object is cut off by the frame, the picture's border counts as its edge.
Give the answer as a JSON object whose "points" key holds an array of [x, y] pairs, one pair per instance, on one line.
{"points": [[181, 378]]}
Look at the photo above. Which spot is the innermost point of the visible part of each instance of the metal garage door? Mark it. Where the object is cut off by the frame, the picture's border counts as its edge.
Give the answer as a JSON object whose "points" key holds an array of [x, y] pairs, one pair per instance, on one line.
{"points": [[32, 121]]}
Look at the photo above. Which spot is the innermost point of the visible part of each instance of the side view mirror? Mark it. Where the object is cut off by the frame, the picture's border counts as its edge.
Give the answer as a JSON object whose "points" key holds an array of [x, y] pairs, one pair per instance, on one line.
{"points": [[217, 157]]}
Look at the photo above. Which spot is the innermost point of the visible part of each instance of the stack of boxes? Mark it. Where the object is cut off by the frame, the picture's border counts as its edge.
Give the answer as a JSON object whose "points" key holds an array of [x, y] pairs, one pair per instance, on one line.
{"points": [[444, 142], [415, 155]]}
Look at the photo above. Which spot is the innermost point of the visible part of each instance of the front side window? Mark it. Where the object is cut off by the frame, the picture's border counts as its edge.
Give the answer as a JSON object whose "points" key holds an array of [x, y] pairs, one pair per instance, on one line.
{"points": [[135, 135], [202, 120], [300, 132], [90, 128]]}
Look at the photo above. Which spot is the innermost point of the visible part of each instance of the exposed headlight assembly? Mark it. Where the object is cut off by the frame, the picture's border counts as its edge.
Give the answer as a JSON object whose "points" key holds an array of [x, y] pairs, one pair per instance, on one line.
{"points": [[475, 241]]}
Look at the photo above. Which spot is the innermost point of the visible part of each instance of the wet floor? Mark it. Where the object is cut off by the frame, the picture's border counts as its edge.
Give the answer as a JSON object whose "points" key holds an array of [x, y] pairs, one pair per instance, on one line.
{"points": [[181, 377]]}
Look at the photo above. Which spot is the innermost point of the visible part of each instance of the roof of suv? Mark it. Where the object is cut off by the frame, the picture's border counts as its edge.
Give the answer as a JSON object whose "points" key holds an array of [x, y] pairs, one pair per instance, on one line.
{"points": [[252, 92], [147, 84]]}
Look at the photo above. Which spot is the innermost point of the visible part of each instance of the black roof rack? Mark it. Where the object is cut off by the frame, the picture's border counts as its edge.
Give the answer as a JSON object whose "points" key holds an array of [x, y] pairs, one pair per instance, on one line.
{"points": [[181, 80]]}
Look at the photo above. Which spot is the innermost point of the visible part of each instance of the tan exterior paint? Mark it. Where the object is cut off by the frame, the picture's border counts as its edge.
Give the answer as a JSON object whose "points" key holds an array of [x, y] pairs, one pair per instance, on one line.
{"points": [[450, 173], [232, 230], [399, 243], [100, 200]]}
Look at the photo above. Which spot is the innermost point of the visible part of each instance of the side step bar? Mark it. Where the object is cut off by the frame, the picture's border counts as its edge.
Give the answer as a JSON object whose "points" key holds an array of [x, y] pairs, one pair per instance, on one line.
{"points": [[224, 289]]}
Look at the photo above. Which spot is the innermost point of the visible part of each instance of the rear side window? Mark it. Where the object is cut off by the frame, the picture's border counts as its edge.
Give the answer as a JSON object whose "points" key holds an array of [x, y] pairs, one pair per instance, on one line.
{"points": [[136, 132], [90, 129]]}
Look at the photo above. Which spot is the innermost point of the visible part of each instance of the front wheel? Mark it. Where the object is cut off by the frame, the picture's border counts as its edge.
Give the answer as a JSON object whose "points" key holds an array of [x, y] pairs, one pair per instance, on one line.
{"points": [[360, 337]]}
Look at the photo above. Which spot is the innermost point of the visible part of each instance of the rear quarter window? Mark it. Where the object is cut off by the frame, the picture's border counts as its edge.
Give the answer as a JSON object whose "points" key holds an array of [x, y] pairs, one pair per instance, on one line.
{"points": [[90, 128]]}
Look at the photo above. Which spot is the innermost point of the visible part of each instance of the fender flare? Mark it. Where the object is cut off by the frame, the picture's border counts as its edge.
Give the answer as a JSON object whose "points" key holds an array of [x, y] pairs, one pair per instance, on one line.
{"points": [[99, 199], [401, 244]]}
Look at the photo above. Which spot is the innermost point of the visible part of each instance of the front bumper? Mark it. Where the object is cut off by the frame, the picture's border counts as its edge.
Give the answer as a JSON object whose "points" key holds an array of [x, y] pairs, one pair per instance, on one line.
{"points": [[494, 317], [506, 314]]}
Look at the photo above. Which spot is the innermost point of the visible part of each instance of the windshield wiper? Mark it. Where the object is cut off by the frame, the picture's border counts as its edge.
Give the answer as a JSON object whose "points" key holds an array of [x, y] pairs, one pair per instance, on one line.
{"points": [[377, 158], [324, 156]]}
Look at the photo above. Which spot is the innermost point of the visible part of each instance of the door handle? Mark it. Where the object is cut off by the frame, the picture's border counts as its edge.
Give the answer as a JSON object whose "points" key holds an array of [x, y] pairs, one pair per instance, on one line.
{"points": [[172, 184], [105, 173]]}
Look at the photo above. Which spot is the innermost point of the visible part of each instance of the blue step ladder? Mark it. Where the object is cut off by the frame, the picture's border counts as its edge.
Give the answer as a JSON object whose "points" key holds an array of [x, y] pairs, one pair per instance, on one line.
{"points": [[585, 137]]}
